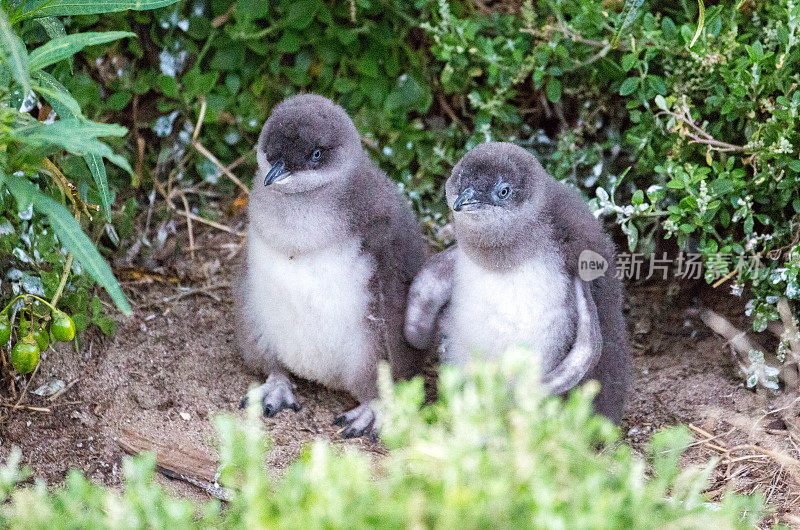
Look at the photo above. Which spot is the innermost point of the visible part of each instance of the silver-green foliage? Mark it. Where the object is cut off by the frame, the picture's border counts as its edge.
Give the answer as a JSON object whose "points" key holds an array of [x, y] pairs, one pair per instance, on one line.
{"points": [[485, 454]]}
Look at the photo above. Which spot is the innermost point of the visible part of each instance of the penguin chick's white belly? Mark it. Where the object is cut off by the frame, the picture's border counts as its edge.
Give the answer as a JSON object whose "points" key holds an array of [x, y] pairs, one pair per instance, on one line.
{"points": [[311, 309], [492, 311]]}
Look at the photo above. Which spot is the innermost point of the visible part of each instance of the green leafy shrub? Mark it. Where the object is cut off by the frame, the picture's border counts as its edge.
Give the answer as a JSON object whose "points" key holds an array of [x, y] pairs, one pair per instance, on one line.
{"points": [[43, 199], [675, 124], [710, 120], [487, 453]]}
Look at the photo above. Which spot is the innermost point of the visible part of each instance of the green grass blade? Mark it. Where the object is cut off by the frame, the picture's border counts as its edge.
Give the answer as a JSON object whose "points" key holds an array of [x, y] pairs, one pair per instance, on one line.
{"points": [[701, 21], [14, 53], [51, 8], [72, 237], [65, 47]]}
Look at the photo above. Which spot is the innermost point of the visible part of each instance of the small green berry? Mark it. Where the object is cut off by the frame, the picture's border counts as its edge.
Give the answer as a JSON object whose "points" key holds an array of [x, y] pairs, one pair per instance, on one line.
{"points": [[62, 328], [25, 355]]}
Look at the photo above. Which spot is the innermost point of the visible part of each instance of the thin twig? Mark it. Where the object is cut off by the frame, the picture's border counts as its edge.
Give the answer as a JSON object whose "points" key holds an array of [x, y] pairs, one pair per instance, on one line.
{"points": [[206, 153], [188, 224], [209, 222], [700, 136], [27, 407], [199, 290], [200, 119]]}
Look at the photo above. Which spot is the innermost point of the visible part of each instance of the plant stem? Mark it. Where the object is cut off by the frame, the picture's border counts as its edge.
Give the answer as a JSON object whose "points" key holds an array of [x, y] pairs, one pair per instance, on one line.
{"points": [[63, 282]]}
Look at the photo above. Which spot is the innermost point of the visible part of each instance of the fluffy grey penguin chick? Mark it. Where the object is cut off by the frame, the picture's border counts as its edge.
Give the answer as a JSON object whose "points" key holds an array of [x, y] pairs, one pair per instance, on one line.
{"points": [[332, 249], [513, 277]]}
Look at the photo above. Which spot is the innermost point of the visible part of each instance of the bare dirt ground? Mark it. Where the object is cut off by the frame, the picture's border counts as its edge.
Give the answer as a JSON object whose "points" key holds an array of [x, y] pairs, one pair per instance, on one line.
{"points": [[173, 365]]}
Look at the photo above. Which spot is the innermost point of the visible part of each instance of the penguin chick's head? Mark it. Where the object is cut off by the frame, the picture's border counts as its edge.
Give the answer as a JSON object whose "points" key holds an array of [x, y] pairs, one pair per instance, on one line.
{"points": [[308, 142], [493, 188]]}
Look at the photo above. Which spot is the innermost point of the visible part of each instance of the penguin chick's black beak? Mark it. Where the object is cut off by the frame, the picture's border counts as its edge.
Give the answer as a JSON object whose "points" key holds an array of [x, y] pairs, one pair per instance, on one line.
{"points": [[275, 172], [466, 198]]}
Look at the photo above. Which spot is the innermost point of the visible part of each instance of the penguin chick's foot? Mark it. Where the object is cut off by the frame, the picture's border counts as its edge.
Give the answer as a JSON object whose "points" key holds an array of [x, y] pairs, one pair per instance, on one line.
{"points": [[274, 395], [360, 421]]}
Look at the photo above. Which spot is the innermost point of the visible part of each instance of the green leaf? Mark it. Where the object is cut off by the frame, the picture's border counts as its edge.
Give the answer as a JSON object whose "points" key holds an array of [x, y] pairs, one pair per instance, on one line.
{"points": [[661, 103], [251, 9], [119, 100], [668, 29], [629, 14], [14, 53], [98, 169], [629, 86], [48, 8], [65, 47], [168, 85], [56, 95], [54, 29], [289, 42], [657, 84], [553, 90], [72, 237], [76, 136], [628, 61], [301, 14]]}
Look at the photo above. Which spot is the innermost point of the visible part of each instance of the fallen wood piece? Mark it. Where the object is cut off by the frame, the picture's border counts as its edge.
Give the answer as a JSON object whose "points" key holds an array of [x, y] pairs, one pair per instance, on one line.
{"points": [[736, 338], [193, 466], [742, 344]]}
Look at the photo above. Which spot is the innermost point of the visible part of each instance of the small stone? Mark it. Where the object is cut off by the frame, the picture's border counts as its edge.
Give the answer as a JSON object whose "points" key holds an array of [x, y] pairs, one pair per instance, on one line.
{"points": [[50, 388], [185, 415]]}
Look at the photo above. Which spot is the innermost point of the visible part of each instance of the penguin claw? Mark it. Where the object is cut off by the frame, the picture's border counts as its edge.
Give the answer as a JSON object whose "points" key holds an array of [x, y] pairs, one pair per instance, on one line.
{"points": [[275, 395], [360, 421]]}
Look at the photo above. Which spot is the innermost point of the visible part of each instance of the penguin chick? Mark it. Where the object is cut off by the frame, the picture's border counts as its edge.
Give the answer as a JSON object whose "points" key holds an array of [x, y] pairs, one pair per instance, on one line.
{"points": [[331, 251], [513, 277]]}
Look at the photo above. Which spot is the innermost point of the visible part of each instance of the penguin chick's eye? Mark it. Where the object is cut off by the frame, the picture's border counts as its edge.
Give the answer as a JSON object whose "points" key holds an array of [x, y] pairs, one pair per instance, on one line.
{"points": [[503, 191], [316, 155]]}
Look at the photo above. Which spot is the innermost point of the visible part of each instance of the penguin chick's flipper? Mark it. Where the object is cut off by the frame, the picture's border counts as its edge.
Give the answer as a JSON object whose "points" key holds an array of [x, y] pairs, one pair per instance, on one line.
{"points": [[429, 293], [360, 421], [587, 348], [274, 395]]}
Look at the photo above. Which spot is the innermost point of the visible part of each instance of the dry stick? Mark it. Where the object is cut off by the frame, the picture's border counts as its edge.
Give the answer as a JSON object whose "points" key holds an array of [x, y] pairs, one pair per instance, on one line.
{"points": [[239, 160], [25, 389], [200, 119], [724, 279], [780, 458], [450, 112], [720, 325], [790, 329], [708, 436], [206, 153], [200, 290], [58, 393], [27, 407], [209, 222], [739, 341], [189, 215], [701, 136], [188, 223]]}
